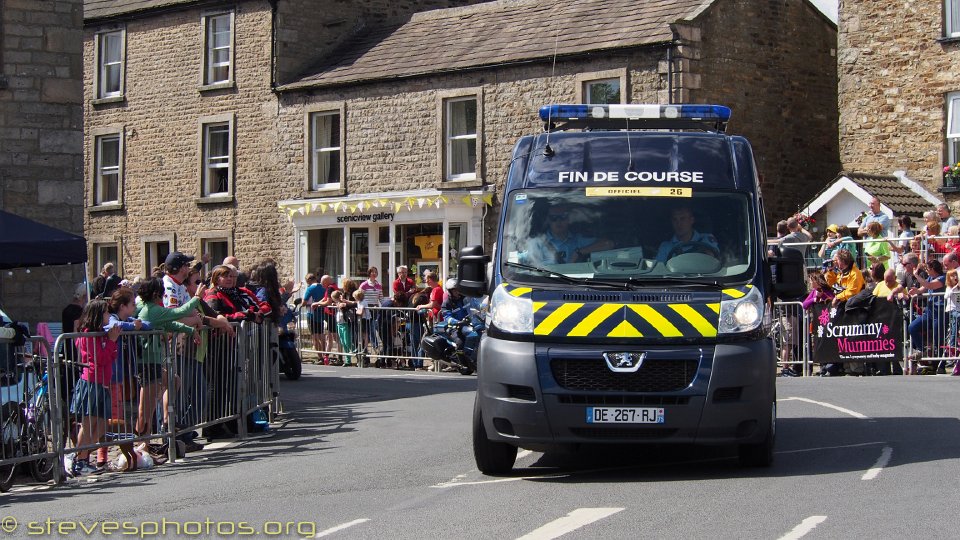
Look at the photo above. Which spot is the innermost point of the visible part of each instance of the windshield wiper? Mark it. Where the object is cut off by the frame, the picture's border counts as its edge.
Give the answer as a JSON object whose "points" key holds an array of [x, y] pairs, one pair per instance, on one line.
{"points": [[552, 274], [676, 281]]}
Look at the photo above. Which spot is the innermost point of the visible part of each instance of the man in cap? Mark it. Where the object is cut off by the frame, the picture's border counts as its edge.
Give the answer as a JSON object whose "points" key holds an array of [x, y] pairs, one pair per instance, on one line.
{"points": [[176, 268]]}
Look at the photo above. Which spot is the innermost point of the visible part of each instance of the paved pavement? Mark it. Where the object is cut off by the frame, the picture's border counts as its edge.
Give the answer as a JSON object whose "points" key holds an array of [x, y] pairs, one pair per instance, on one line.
{"points": [[385, 454]]}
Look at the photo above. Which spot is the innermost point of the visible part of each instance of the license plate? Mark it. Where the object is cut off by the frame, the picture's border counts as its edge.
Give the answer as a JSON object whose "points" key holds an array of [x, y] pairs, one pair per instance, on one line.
{"points": [[624, 415]]}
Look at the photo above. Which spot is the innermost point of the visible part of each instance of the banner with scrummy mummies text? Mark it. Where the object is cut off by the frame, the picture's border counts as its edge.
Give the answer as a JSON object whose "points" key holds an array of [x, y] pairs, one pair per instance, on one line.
{"points": [[874, 334]]}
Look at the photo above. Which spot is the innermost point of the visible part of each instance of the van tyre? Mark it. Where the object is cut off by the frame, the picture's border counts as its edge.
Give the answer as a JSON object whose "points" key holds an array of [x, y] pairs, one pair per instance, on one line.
{"points": [[761, 454], [493, 458]]}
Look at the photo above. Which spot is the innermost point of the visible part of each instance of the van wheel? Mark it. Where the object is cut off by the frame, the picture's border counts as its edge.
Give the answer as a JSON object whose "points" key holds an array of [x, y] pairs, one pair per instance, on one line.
{"points": [[492, 458], [761, 454]]}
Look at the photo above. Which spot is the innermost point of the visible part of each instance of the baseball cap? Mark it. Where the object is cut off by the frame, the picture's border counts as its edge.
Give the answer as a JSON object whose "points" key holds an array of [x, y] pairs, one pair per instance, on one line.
{"points": [[176, 260]]}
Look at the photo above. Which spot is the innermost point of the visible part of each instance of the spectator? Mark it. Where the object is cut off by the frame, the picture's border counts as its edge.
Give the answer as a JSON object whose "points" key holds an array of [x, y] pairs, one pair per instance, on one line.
{"points": [[436, 295], [106, 282], [844, 277], [417, 325], [831, 242], [946, 220], [365, 319], [926, 329], [901, 246], [403, 284], [153, 379], [312, 295], [71, 313], [878, 249], [91, 397], [176, 268], [373, 296], [797, 235], [874, 215], [344, 331], [234, 262], [951, 304], [909, 262], [265, 284], [330, 335], [885, 287], [847, 242], [952, 243]]}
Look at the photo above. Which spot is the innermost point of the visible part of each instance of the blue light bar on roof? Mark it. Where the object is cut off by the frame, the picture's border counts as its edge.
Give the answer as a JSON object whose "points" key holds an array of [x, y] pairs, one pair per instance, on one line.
{"points": [[717, 113]]}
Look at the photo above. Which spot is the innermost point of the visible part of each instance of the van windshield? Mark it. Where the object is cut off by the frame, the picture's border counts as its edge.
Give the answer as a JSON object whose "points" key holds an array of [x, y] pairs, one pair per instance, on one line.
{"points": [[615, 235]]}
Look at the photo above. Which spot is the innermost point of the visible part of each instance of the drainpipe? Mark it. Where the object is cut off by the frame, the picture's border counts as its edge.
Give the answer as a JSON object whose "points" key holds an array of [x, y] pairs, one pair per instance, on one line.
{"points": [[670, 73]]}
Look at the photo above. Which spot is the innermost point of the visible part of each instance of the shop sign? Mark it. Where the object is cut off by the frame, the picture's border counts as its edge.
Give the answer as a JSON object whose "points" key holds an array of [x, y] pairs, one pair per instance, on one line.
{"points": [[375, 218]]}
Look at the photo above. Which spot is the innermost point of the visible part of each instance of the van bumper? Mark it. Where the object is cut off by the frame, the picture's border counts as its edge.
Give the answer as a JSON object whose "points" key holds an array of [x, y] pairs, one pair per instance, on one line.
{"points": [[729, 400]]}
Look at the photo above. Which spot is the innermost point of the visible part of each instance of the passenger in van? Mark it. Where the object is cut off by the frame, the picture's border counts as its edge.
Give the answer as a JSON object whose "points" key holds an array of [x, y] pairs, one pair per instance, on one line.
{"points": [[558, 245], [682, 220]]}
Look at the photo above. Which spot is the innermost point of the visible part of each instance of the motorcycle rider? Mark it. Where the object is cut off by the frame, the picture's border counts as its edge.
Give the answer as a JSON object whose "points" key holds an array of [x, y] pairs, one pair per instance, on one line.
{"points": [[455, 305]]}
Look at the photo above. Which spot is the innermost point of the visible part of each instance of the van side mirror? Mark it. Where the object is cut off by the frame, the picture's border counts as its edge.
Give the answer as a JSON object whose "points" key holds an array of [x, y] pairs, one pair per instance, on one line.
{"points": [[472, 271], [791, 279]]}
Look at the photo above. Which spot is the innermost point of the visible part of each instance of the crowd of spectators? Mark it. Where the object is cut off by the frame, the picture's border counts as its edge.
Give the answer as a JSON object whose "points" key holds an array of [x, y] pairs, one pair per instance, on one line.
{"points": [[177, 299], [916, 269]]}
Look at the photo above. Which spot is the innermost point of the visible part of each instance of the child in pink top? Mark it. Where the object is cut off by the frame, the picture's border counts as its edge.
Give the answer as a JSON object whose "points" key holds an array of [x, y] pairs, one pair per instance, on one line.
{"points": [[91, 397]]}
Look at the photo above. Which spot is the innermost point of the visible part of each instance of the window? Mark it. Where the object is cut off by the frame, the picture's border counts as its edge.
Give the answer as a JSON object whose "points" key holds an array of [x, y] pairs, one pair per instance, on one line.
{"points": [[106, 253], [154, 254], [325, 150], [600, 92], [953, 128], [461, 138], [109, 83], [218, 49], [218, 248], [951, 11], [106, 187], [217, 159]]}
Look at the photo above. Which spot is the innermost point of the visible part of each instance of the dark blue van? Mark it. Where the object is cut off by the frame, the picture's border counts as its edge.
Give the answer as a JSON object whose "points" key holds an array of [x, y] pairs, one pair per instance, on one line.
{"points": [[629, 288]]}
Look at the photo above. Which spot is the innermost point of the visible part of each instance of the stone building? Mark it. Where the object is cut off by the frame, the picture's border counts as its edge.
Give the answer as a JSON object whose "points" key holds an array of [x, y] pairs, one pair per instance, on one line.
{"points": [[898, 94], [41, 137], [379, 133]]}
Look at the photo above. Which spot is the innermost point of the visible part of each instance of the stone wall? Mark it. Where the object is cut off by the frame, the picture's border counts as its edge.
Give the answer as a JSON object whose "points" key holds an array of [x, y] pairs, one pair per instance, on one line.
{"points": [[894, 78], [41, 130], [161, 119], [775, 65]]}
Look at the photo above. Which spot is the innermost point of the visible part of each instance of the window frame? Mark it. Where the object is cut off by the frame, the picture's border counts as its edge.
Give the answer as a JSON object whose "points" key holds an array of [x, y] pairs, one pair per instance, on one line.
{"points": [[948, 30], [205, 123], [204, 238], [99, 93], [952, 152], [100, 261], [98, 135], [583, 79], [148, 241], [311, 113], [445, 101], [206, 66]]}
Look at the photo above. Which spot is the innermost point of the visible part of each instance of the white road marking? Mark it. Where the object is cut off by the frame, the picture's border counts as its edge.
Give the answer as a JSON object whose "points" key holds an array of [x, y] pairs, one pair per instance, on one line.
{"points": [[523, 453], [854, 414], [571, 522], [829, 447], [457, 483], [341, 527], [882, 462], [804, 527]]}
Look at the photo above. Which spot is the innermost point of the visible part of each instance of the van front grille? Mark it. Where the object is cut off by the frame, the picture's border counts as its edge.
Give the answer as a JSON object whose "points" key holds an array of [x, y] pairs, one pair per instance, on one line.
{"points": [[655, 375]]}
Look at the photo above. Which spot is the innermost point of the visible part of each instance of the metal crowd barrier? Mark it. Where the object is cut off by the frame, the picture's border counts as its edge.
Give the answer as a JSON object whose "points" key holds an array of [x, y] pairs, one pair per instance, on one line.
{"points": [[927, 319], [163, 386], [791, 336], [390, 337], [26, 418], [813, 260]]}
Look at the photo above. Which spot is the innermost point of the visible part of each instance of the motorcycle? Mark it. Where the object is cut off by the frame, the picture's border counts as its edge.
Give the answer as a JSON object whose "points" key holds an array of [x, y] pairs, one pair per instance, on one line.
{"points": [[290, 362], [456, 342]]}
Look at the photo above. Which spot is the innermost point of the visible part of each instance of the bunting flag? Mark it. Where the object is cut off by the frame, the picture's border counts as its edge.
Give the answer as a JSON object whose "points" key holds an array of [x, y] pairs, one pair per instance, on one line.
{"points": [[474, 200]]}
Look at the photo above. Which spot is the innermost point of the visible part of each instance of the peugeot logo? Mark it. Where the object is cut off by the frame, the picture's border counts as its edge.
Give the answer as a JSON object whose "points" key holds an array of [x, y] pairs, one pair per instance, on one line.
{"points": [[624, 362]]}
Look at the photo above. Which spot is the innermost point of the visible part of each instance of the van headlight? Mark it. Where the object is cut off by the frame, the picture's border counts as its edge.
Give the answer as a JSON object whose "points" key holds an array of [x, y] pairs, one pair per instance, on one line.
{"points": [[741, 315], [510, 313]]}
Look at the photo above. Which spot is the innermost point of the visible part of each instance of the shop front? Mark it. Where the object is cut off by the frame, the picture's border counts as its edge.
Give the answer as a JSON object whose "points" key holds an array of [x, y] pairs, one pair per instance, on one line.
{"points": [[424, 230]]}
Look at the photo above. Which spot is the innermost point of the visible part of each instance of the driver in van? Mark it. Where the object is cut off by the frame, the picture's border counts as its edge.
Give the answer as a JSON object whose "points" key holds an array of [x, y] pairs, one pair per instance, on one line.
{"points": [[683, 233], [558, 245]]}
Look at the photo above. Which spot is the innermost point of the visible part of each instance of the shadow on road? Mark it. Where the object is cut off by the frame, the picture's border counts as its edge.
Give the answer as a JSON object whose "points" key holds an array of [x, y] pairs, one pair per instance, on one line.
{"points": [[805, 446]]}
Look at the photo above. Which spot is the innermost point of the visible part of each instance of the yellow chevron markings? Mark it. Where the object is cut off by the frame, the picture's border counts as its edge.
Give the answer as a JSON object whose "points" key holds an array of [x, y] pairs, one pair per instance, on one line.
{"points": [[695, 319], [520, 291], [735, 293], [591, 321], [715, 307], [550, 323], [624, 330], [658, 321], [538, 305]]}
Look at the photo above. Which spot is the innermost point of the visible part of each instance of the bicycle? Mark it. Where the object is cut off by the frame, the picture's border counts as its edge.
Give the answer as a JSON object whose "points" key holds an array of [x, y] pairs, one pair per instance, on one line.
{"points": [[26, 429]]}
